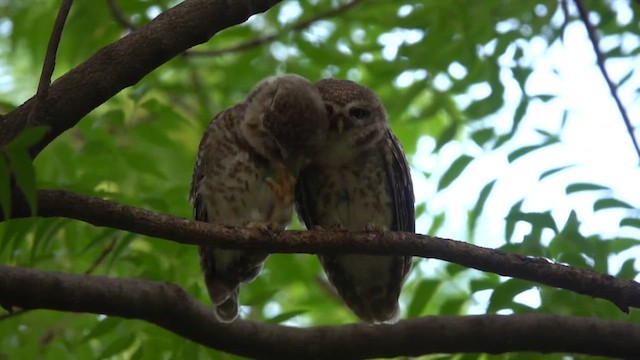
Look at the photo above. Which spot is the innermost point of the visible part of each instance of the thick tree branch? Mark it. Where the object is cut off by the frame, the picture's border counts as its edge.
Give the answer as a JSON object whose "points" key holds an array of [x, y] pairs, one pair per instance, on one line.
{"points": [[170, 307], [126, 61], [593, 37], [99, 212]]}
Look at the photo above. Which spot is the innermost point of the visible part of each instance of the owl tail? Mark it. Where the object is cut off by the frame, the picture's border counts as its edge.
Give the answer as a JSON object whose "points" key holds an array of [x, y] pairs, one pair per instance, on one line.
{"points": [[224, 299], [228, 310]]}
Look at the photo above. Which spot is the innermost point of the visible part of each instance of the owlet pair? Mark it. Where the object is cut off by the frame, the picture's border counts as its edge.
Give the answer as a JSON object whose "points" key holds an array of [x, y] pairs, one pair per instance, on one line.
{"points": [[328, 148]]}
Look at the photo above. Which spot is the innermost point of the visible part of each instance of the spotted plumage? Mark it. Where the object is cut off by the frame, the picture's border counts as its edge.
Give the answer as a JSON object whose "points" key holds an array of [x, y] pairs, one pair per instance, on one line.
{"points": [[248, 160], [359, 181]]}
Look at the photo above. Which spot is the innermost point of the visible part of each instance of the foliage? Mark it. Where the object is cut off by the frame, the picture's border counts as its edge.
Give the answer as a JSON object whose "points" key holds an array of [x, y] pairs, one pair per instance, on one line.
{"points": [[423, 57]]}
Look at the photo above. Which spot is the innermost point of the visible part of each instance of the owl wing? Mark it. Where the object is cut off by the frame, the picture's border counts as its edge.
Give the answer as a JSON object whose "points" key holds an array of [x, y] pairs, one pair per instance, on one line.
{"points": [[401, 189], [199, 204], [401, 186], [305, 204]]}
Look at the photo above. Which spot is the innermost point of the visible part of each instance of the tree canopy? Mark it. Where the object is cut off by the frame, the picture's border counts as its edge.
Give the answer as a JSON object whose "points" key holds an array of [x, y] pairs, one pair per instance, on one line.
{"points": [[104, 156]]}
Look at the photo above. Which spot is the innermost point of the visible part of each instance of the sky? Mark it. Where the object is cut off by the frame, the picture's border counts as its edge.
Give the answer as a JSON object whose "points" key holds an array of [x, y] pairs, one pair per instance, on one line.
{"points": [[594, 140]]}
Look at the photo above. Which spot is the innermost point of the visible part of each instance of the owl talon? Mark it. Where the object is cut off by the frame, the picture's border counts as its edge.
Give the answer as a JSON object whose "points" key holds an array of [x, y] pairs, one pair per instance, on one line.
{"points": [[266, 228], [375, 228]]}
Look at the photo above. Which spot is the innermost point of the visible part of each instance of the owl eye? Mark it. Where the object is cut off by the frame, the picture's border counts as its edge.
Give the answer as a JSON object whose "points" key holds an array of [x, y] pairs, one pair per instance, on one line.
{"points": [[329, 109], [359, 113]]}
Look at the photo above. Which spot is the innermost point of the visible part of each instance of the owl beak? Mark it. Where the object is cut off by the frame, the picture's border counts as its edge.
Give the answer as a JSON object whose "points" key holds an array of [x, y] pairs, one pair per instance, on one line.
{"points": [[340, 125]]}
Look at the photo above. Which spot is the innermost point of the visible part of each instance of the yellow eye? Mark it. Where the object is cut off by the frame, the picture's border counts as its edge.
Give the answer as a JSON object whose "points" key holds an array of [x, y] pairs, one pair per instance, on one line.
{"points": [[359, 113]]}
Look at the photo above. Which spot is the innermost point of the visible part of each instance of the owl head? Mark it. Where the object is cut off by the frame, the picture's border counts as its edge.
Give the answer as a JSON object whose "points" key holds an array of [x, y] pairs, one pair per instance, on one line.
{"points": [[357, 119], [285, 120]]}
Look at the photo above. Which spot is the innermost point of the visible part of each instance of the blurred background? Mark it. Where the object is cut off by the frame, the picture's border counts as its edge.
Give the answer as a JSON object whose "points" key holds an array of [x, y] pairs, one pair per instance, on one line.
{"points": [[514, 139]]}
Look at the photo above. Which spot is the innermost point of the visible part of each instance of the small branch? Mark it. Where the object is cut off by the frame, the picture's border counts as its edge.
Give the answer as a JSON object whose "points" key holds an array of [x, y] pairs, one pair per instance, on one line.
{"points": [[49, 62], [170, 307], [99, 212], [101, 257], [120, 17], [600, 59], [262, 40]]}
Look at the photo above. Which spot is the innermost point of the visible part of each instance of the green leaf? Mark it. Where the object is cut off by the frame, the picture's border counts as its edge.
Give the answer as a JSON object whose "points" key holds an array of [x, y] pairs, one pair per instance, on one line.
{"points": [[511, 219], [553, 171], [5, 187], [27, 137], [482, 136], [477, 209], [454, 171], [285, 316], [628, 270], [260, 298], [446, 136], [610, 203], [544, 98], [420, 209], [452, 306], [25, 175], [621, 244], [491, 281], [625, 78], [103, 327], [527, 149], [119, 345], [502, 296], [437, 223], [421, 296], [630, 222], [570, 245], [537, 220], [573, 188]]}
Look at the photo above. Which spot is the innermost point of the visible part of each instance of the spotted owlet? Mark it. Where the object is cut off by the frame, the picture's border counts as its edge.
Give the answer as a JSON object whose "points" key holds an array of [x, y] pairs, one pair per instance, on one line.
{"points": [[359, 181], [248, 160]]}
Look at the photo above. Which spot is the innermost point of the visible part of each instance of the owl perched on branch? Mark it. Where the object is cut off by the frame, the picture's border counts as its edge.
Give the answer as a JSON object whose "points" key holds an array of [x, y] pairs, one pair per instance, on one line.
{"points": [[248, 160], [359, 181]]}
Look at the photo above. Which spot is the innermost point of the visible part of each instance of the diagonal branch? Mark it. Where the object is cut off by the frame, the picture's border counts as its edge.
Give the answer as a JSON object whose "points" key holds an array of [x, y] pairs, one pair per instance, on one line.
{"points": [[169, 306], [99, 212], [600, 59], [50, 60], [262, 40]]}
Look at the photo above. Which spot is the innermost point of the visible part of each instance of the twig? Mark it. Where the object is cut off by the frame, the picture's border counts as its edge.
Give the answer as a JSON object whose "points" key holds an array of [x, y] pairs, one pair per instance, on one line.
{"points": [[169, 306], [120, 17], [49, 61], [600, 59], [262, 40], [99, 212]]}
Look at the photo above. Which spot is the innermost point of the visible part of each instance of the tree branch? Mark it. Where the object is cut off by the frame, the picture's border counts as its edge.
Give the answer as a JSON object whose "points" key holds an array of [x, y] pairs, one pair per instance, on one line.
{"points": [[99, 212], [90, 269], [600, 59], [262, 40], [126, 61], [169, 306], [49, 63]]}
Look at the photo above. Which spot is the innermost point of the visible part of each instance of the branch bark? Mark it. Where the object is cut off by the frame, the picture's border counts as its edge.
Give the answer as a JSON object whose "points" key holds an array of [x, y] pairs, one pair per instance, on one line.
{"points": [[126, 61], [169, 306], [99, 212]]}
